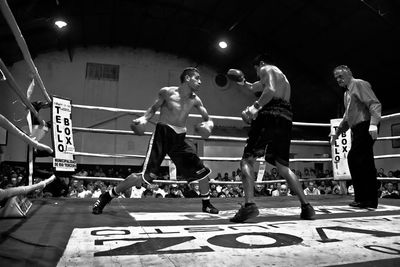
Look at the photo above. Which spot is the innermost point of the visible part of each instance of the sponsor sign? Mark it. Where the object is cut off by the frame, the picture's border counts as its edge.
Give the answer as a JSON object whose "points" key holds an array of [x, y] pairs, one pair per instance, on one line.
{"points": [[340, 151], [62, 135], [283, 243]]}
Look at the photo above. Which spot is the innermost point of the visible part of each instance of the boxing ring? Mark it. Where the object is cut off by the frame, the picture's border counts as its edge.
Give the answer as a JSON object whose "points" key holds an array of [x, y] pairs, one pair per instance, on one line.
{"points": [[173, 232]]}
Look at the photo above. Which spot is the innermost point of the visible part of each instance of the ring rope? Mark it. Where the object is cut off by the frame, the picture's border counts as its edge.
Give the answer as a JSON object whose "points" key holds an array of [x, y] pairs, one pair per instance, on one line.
{"points": [[212, 181], [6, 124], [22, 45], [215, 137], [105, 155], [211, 138], [388, 138], [387, 156], [13, 84], [135, 111], [390, 116]]}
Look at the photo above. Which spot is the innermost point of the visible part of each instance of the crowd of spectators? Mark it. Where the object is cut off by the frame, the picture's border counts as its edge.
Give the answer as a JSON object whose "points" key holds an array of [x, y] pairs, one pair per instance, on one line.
{"points": [[65, 185]]}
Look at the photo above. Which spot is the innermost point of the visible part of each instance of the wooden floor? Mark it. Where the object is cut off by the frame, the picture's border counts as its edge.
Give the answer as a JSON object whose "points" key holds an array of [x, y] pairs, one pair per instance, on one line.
{"points": [[174, 232]]}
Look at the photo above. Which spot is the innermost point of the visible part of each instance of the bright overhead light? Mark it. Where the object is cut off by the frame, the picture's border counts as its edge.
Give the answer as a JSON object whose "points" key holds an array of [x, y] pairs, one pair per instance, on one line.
{"points": [[60, 24], [223, 44]]}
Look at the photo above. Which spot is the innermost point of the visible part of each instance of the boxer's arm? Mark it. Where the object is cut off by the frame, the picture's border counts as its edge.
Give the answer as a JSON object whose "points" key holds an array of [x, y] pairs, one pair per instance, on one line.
{"points": [[204, 128], [201, 109], [156, 105]]}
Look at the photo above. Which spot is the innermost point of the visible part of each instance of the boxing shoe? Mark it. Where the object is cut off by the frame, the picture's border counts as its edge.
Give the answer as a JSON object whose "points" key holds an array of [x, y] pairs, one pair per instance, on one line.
{"points": [[200, 175], [101, 202], [307, 212], [209, 208], [246, 211]]}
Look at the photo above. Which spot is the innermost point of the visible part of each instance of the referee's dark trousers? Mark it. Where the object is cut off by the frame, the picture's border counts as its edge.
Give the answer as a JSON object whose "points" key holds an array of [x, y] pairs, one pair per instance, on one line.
{"points": [[362, 166]]}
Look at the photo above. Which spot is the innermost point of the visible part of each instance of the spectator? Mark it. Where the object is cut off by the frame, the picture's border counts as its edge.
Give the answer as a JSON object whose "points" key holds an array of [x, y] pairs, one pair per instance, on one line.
{"points": [[282, 191], [214, 193], [174, 192], [381, 173], [306, 173], [148, 193], [137, 191], [390, 192], [226, 177], [350, 190], [158, 190], [219, 177], [238, 174], [311, 190], [259, 190], [274, 174], [194, 191], [322, 188], [336, 188]]}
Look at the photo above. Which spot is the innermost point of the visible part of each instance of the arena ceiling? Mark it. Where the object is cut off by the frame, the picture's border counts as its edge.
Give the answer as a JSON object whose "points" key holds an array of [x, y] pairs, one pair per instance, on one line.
{"points": [[307, 38]]}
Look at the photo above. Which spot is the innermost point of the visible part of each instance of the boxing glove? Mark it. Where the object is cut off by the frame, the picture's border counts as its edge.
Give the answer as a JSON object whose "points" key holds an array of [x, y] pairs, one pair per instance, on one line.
{"points": [[245, 117], [250, 113], [236, 76], [204, 128], [138, 126]]}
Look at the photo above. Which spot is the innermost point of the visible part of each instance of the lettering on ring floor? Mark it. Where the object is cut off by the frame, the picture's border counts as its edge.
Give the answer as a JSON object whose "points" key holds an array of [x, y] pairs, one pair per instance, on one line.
{"points": [[290, 243]]}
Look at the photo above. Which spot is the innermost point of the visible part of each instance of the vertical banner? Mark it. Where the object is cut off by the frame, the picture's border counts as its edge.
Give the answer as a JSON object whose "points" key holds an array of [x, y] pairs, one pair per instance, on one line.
{"points": [[261, 171], [172, 170], [340, 151], [62, 135]]}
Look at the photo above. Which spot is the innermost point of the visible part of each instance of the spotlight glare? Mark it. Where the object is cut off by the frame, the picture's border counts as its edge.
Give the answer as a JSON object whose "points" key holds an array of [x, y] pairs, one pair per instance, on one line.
{"points": [[60, 24], [223, 44]]}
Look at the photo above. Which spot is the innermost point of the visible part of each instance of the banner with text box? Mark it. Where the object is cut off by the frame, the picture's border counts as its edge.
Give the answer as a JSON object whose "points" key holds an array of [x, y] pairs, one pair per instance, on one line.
{"points": [[340, 151], [62, 135]]}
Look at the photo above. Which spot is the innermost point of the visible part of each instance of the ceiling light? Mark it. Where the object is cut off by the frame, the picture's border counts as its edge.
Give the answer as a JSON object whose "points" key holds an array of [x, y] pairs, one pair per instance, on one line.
{"points": [[60, 24], [223, 44]]}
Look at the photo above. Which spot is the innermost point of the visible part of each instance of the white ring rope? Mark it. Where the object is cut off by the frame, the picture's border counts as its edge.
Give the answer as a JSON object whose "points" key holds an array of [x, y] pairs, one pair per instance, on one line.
{"points": [[22, 45], [135, 111], [6, 124], [211, 138], [387, 156], [215, 137], [105, 155], [212, 181], [390, 116], [13, 84], [388, 138]]}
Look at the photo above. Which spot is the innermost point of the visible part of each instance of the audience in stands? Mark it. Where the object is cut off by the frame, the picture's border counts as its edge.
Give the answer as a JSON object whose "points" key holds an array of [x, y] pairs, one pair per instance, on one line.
{"points": [[14, 174]]}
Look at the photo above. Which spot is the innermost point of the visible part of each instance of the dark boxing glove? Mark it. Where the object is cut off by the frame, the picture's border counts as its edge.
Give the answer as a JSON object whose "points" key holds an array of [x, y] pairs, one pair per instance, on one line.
{"points": [[236, 76]]}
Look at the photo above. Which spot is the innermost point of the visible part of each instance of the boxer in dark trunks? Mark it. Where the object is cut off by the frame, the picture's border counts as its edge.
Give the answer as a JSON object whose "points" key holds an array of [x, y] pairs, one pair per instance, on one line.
{"points": [[175, 103], [270, 119]]}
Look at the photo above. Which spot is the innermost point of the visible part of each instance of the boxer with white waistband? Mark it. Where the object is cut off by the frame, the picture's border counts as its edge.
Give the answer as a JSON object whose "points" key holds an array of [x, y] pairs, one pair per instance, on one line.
{"points": [[174, 103]]}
